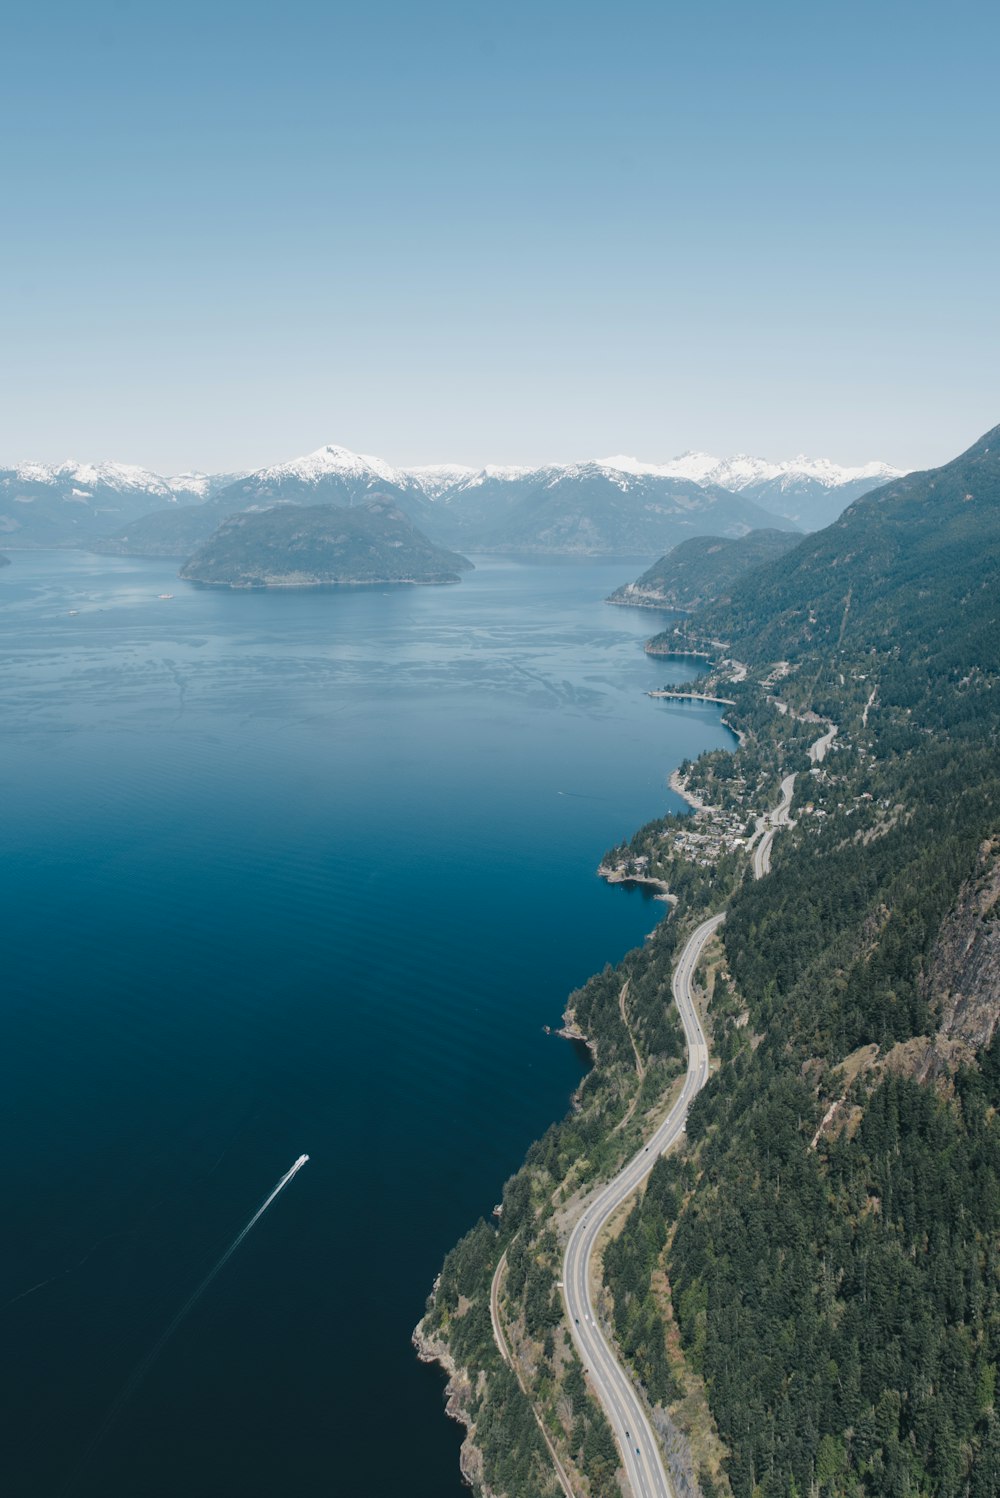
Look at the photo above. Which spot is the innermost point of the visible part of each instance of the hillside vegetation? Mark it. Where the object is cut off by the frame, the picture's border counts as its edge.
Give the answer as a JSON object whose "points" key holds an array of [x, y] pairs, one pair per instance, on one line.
{"points": [[834, 1272], [810, 1295], [703, 570], [293, 546]]}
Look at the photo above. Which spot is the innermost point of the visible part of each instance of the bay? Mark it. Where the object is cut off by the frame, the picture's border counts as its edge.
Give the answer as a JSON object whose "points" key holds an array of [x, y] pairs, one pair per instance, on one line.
{"points": [[286, 873]]}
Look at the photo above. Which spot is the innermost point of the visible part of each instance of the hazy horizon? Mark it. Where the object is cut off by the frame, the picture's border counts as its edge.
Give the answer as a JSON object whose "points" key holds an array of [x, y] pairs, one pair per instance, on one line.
{"points": [[8, 459], [453, 234]]}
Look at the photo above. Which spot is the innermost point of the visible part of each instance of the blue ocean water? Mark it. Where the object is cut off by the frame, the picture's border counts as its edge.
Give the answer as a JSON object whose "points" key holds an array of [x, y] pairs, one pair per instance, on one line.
{"points": [[285, 873]]}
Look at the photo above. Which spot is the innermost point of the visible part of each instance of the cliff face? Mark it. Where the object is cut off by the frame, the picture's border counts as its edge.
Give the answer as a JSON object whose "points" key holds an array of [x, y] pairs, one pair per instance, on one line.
{"points": [[961, 985], [964, 974], [460, 1399]]}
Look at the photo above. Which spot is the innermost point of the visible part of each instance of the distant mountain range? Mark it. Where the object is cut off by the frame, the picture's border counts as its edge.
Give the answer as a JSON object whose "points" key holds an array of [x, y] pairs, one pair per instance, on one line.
{"points": [[73, 504], [812, 492], [613, 506]]}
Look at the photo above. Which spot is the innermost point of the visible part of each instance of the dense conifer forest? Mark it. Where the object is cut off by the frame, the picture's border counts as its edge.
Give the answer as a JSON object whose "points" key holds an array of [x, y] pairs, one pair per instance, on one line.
{"points": [[809, 1294]]}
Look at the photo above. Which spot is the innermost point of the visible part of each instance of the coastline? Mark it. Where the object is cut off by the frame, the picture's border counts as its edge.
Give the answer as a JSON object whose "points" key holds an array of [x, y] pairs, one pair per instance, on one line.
{"points": [[619, 876], [651, 649], [648, 601], [690, 697], [316, 584], [466, 1386], [679, 786], [470, 1385], [458, 1395]]}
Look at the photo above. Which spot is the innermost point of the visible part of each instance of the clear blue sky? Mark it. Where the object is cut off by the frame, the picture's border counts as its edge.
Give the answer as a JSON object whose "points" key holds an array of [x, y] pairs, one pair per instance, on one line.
{"points": [[510, 232]]}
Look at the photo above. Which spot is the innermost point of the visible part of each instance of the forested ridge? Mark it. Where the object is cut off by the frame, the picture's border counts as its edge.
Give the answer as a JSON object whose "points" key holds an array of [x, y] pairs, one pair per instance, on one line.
{"points": [[703, 569], [834, 1272], [820, 1267]]}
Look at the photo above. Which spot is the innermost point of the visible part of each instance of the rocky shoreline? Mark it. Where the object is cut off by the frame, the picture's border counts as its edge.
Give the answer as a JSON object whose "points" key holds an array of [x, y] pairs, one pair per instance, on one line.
{"points": [[458, 1404], [631, 597], [619, 876]]}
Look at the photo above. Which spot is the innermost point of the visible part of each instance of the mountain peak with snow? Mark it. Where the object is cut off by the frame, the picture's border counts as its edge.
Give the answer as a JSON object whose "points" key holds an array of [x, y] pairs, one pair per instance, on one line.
{"points": [[334, 461], [742, 470], [436, 479], [43, 503], [121, 478]]}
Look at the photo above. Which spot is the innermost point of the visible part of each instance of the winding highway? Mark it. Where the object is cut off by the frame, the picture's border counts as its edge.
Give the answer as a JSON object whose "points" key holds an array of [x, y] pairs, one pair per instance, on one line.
{"points": [[642, 1460], [610, 1382], [771, 821]]}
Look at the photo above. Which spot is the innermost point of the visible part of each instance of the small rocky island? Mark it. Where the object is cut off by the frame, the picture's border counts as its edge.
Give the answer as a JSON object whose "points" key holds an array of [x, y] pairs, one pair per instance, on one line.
{"points": [[298, 546]]}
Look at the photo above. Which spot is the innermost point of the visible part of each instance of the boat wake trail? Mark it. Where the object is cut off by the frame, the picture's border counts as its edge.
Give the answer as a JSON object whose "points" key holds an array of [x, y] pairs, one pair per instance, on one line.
{"points": [[143, 1367]]}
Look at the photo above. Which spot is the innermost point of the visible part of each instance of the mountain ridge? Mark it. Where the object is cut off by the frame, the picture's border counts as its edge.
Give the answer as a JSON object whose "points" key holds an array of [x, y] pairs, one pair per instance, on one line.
{"points": [[919, 534], [702, 570], [72, 503]]}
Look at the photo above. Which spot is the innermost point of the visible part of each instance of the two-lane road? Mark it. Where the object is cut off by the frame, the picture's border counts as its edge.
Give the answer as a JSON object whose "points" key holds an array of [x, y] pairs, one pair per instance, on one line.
{"points": [[641, 1457], [780, 817], [640, 1450]]}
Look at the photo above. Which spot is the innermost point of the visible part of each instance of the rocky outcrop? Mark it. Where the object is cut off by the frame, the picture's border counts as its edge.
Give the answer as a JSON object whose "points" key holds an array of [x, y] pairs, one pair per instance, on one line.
{"points": [[459, 1401], [963, 978]]}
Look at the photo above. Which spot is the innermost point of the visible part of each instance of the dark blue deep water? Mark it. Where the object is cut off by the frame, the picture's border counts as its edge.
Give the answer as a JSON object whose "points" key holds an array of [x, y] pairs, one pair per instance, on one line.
{"points": [[285, 873]]}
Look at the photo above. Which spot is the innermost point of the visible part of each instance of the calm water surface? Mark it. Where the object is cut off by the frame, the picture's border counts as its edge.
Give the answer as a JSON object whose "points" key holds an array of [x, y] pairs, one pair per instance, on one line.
{"points": [[285, 873]]}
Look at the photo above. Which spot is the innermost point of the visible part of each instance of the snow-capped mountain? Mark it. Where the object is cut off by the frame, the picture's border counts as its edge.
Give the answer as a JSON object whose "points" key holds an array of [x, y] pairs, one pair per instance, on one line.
{"points": [[86, 478], [64, 504], [812, 492], [605, 506], [595, 510], [330, 475], [332, 462], [195, 488], [602, 508], [436, 479], [743, 471]]}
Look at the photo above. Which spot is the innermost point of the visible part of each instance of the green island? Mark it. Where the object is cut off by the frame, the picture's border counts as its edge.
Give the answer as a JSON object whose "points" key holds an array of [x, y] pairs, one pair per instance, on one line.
{"points": [[807, 1291], [307, 546]]}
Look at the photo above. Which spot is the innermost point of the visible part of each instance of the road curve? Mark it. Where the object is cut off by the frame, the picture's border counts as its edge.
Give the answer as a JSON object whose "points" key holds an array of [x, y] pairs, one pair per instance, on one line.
{"points": [[817, 751], [638, 1444], [641, 1457], [780, 817]]}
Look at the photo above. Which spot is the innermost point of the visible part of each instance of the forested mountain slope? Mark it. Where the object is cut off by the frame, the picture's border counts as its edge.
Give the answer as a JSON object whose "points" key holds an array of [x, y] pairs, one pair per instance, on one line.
{"points": [[592, 509], [836, 1270], [892, 573], [810, 1295], [703, 569]]}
